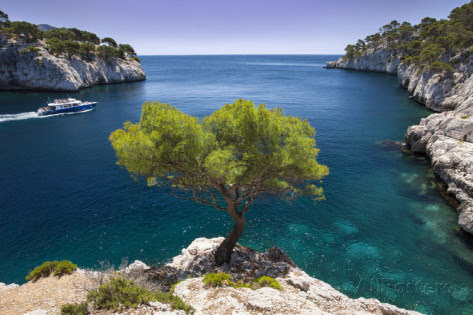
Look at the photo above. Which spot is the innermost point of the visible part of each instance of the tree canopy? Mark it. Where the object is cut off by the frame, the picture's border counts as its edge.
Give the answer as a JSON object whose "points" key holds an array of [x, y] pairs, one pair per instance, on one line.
{"points": [[4, 18], [228, 160], [110, 41]]}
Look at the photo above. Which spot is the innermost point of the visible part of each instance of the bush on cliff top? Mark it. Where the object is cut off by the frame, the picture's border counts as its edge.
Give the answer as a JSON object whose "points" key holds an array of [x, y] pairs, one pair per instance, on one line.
{"points": [[29, 49], [75, 309], [119, 294], [57, 268], [223, 279]]}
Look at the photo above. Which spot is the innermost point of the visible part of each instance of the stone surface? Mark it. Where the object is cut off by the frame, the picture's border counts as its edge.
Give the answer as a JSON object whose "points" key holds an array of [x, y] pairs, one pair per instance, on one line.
{"points": [[44, 71], [300, 294], [445, 137]]}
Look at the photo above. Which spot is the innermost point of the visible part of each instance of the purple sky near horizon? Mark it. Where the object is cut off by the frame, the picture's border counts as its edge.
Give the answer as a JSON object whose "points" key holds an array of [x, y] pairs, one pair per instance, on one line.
{"points": [[229, 27]]}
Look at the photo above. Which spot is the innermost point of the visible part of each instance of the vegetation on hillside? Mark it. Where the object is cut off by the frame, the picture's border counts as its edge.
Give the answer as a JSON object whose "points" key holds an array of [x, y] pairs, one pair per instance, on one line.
{"points": [[119, 294], [432, 43], [65, 42]]}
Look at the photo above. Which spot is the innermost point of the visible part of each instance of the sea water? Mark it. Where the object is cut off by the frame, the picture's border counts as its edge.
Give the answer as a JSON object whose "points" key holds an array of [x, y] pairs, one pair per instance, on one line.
{"points": [[384, 230]]}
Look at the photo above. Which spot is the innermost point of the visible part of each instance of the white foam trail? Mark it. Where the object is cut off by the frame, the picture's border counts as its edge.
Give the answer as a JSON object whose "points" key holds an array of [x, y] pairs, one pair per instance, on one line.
{"points": [[20, 116], [30, 115]]}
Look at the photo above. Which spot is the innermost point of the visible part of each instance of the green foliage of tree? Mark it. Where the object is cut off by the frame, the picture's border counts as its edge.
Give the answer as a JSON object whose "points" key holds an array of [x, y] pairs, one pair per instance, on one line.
{"points": [[4, 20], [125, 50], [231, 158], [59, 34], [462, 17], [58, 268], [106, 52], [29, 49], [24, 31], [84, 36], [87, 50], [110, 42], [74, 34], [438, 66]]}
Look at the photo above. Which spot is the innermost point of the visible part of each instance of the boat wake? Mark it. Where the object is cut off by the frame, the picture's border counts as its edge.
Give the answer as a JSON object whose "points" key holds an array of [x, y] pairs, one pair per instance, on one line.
{"points": [[31, 115], [20, 116]]}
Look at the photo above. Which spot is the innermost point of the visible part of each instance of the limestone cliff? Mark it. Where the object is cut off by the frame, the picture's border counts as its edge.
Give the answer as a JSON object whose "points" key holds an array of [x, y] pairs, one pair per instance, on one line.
{"points": [[446, 137], [299, 294], [20, 70]]}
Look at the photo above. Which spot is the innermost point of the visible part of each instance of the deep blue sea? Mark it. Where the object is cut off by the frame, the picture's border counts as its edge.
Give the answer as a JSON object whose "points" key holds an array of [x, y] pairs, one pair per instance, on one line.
{"points": [[384, 230]]}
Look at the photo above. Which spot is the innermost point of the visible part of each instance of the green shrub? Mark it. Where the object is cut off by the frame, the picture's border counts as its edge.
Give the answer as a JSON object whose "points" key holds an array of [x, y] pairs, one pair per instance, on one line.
{"points": [[267, 282], [75, 309], [464, 117], [59, 268], [64, 267], [216, 279], [421, 68], [136, 59], [28, 49], [222, 278], [119, 294], [439, 66], [171, 290], [178, 304]]}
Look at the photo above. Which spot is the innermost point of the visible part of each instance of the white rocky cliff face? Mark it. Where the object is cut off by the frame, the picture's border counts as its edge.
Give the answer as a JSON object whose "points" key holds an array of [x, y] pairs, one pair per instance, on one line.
{"points": [[44, 71], [299, 294], [446, 137]]}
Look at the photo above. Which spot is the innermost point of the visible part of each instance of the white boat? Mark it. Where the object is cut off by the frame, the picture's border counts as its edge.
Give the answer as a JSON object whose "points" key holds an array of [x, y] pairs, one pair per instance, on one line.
{"points": [[68, 105]]}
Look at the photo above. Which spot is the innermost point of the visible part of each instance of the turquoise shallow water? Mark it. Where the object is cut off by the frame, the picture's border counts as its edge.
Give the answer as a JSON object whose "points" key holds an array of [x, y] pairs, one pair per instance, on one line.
{"points": [[384, 230]]}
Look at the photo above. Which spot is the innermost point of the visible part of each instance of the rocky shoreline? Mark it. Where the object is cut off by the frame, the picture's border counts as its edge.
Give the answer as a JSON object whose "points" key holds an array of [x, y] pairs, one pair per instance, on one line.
{"points": [[40, 70], [446, 137], [299, 294]]}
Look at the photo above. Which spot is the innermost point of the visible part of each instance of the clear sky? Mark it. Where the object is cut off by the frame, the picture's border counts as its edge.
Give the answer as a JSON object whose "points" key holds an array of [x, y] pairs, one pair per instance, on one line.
{"points": [[229, 26]]}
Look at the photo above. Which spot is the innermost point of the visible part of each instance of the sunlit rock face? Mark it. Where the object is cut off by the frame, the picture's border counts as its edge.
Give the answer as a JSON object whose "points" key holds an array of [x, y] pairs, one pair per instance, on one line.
{"points": [[300, 294], [44, 71], [446, 137]]}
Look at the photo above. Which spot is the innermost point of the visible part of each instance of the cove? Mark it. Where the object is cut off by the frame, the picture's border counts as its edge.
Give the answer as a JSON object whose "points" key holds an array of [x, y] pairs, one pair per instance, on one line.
{"points": [[384, 230]]}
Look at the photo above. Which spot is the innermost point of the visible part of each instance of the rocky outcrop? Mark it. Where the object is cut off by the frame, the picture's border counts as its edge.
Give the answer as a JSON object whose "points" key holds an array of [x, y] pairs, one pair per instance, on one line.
{"points": [[446, 137], [20, 70], [300, 293], [379, 59]]}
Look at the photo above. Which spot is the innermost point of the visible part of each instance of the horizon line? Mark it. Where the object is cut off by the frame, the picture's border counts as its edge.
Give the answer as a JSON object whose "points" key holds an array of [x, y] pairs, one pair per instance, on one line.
{"points": [[243, 54]]}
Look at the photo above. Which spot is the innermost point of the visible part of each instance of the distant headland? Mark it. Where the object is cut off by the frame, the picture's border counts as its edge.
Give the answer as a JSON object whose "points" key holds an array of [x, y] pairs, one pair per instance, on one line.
{"points": [[434, 62], [43, 57]]}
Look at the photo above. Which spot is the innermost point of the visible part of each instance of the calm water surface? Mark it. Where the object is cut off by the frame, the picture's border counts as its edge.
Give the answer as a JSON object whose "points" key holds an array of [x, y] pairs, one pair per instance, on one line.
{"points": [[384, 230]]}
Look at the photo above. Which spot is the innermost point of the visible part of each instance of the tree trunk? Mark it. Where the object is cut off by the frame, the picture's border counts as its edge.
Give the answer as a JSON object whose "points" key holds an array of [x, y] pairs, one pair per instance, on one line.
{"points": [[223, 254]]}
